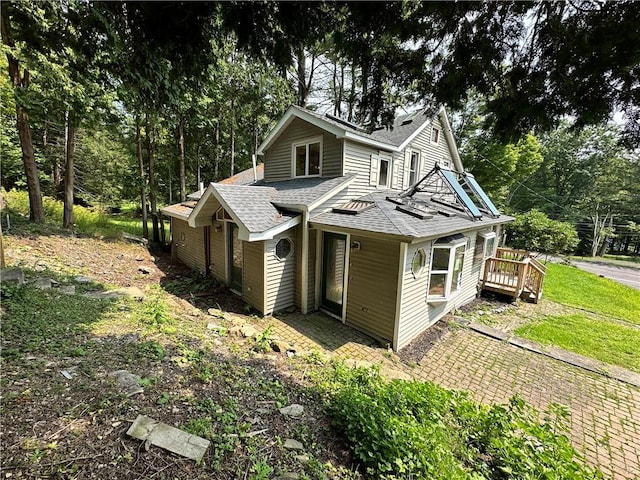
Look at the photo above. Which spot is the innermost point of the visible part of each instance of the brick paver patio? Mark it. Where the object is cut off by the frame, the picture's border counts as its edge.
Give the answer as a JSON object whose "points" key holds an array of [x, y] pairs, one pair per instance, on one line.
{"points": [[605, 413]]}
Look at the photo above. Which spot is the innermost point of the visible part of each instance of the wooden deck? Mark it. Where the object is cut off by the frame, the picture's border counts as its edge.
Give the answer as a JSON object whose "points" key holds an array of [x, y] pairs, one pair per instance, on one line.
{"points": [[515, 273]]}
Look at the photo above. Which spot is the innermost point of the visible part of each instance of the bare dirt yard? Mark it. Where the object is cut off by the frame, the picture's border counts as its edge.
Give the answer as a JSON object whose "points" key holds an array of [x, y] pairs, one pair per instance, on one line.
{"points": [[200, 360]]}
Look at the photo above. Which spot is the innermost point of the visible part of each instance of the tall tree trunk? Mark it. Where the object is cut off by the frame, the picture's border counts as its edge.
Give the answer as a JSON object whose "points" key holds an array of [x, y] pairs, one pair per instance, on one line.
{"points": [[183, 181], [67, 214], [605, 240], [143, 190], [233, 136], [216, 160], [152, 179], [36, 210]]}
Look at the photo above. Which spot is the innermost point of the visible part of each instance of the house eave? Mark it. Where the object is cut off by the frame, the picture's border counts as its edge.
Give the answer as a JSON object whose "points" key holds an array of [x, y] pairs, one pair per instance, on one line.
{"points": [[272, 232]]}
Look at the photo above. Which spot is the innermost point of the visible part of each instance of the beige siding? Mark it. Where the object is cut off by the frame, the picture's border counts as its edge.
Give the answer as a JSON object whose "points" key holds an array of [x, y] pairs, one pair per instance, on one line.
{"points": [[311, 279], [430, 153], [278, 158], [188, 244], [414, 312], [371, 294], [298, 270], [253, 274], [218, 254], [357, 159], [416, 315], [280, 288]]}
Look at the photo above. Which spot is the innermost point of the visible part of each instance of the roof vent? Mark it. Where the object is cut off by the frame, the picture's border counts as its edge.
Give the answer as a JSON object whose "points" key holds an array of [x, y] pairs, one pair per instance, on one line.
{"points": [[354, 207]]}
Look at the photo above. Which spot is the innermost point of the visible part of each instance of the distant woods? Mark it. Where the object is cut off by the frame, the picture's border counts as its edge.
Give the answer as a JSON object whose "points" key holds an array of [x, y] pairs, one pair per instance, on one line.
{"points": [[105, 102]]}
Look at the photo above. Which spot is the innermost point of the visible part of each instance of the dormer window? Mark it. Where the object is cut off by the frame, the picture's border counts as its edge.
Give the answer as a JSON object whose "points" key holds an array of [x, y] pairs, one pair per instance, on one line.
{"points": [[307, 157]]}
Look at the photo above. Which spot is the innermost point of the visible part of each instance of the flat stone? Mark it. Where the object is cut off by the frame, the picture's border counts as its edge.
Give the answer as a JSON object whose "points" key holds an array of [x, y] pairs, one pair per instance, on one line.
{"points": [[216, 312], [279, 346], [170, 438], [43, 283], [68, 289], [302, 458], [146, 270], [291, 444], [295, 410], [12, 275], [248, 331], [127, 382], [217, 328], [133, 292], [82, 279], [288, 476]]}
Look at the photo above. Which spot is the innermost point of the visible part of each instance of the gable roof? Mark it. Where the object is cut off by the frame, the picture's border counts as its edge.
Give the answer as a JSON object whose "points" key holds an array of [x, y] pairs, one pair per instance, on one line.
{"points": [[262, 210], [396, 138]]}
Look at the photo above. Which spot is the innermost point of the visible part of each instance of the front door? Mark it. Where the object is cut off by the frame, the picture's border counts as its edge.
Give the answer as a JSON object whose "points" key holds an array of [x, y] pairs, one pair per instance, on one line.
{"points": [[235, 258], [334, 248]]}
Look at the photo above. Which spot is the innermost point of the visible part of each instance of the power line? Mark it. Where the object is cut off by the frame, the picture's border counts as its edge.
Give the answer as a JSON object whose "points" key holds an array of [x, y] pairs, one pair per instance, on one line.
{"points": [[566, 209]]}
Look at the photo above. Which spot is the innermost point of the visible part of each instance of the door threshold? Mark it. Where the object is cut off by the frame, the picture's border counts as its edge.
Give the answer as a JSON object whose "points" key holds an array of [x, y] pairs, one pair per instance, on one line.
{"points": [[331, 314]]}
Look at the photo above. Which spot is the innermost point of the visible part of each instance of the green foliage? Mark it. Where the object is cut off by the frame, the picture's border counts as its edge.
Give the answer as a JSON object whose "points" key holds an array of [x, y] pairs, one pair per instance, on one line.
{"points": [[155, 312], [609, 342], [536, 232], [405, 430], [263, 340], [574, 287], [88, 221]]}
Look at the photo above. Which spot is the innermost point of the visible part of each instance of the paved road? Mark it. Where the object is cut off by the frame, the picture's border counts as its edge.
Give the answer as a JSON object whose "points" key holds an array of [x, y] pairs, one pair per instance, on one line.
{"points": [[605, 413], [625, 275]]}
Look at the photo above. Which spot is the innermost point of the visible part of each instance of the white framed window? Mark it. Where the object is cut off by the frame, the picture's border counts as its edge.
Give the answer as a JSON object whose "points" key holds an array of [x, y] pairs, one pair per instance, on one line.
{"points": [[435, 135], [485, 246], [447, 263], [414, 168], [307, 157], [418, 263], [283, 248], [384, 171]]}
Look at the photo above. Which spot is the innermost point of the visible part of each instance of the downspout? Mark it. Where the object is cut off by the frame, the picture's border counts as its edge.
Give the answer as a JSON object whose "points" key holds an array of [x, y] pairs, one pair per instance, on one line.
{"points": [[304, 288]]}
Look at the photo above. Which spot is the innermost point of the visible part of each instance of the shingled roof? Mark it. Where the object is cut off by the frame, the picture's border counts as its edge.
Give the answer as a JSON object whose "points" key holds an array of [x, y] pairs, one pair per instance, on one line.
{"points": [[384, 218]]}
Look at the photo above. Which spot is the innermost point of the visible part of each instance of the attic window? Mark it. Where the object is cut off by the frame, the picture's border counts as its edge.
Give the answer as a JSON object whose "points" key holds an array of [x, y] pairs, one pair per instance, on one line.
{"points": [[354, 207], [435, 135]]}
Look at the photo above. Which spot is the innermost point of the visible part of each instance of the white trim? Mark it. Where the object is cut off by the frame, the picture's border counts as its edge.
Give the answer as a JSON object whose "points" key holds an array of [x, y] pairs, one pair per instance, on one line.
{"points": [[318, 284], [437, 132], [418, 131], [265, 276], [384, 156], [345, 280], [304, 264], [306, 142], [400, 285], [269, 234], [418, 152], [370, 142], [288, 117], [452, 247]]}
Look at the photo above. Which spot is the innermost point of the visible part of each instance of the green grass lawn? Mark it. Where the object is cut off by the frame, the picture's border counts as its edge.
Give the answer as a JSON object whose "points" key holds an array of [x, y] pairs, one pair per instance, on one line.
{"points": [[606, 341], [577, 288]]}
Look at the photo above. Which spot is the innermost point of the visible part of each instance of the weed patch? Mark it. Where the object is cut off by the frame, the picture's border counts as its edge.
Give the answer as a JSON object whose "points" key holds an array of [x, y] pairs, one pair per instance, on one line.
{"points": [[405, 430]]}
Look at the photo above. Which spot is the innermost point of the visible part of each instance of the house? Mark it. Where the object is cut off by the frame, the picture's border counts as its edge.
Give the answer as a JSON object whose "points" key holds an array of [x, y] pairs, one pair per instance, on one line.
{"points": [[383, 231]]}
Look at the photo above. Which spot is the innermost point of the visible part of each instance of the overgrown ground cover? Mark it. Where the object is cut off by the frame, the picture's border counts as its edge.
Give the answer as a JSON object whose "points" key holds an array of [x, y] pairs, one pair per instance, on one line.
{"points": [[198, 376], [88, 221]]}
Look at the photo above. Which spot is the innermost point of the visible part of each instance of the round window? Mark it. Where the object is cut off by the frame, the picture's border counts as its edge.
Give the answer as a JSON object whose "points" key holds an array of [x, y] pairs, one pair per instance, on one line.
{"points": [[418, 263], [283, 248]]}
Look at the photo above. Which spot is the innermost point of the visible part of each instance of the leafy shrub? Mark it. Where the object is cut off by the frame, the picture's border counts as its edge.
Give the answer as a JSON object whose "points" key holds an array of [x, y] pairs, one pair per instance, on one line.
{"points": [[536, 232], [406, 430]]}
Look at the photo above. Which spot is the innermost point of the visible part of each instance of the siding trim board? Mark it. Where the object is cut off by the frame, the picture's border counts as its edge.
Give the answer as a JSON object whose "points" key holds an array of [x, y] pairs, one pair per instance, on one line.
{"points": [[401, 272]]}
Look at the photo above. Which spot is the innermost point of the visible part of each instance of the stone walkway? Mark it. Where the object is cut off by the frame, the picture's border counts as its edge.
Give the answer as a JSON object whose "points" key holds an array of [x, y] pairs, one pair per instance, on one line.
{"points": [[605, 413]]}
